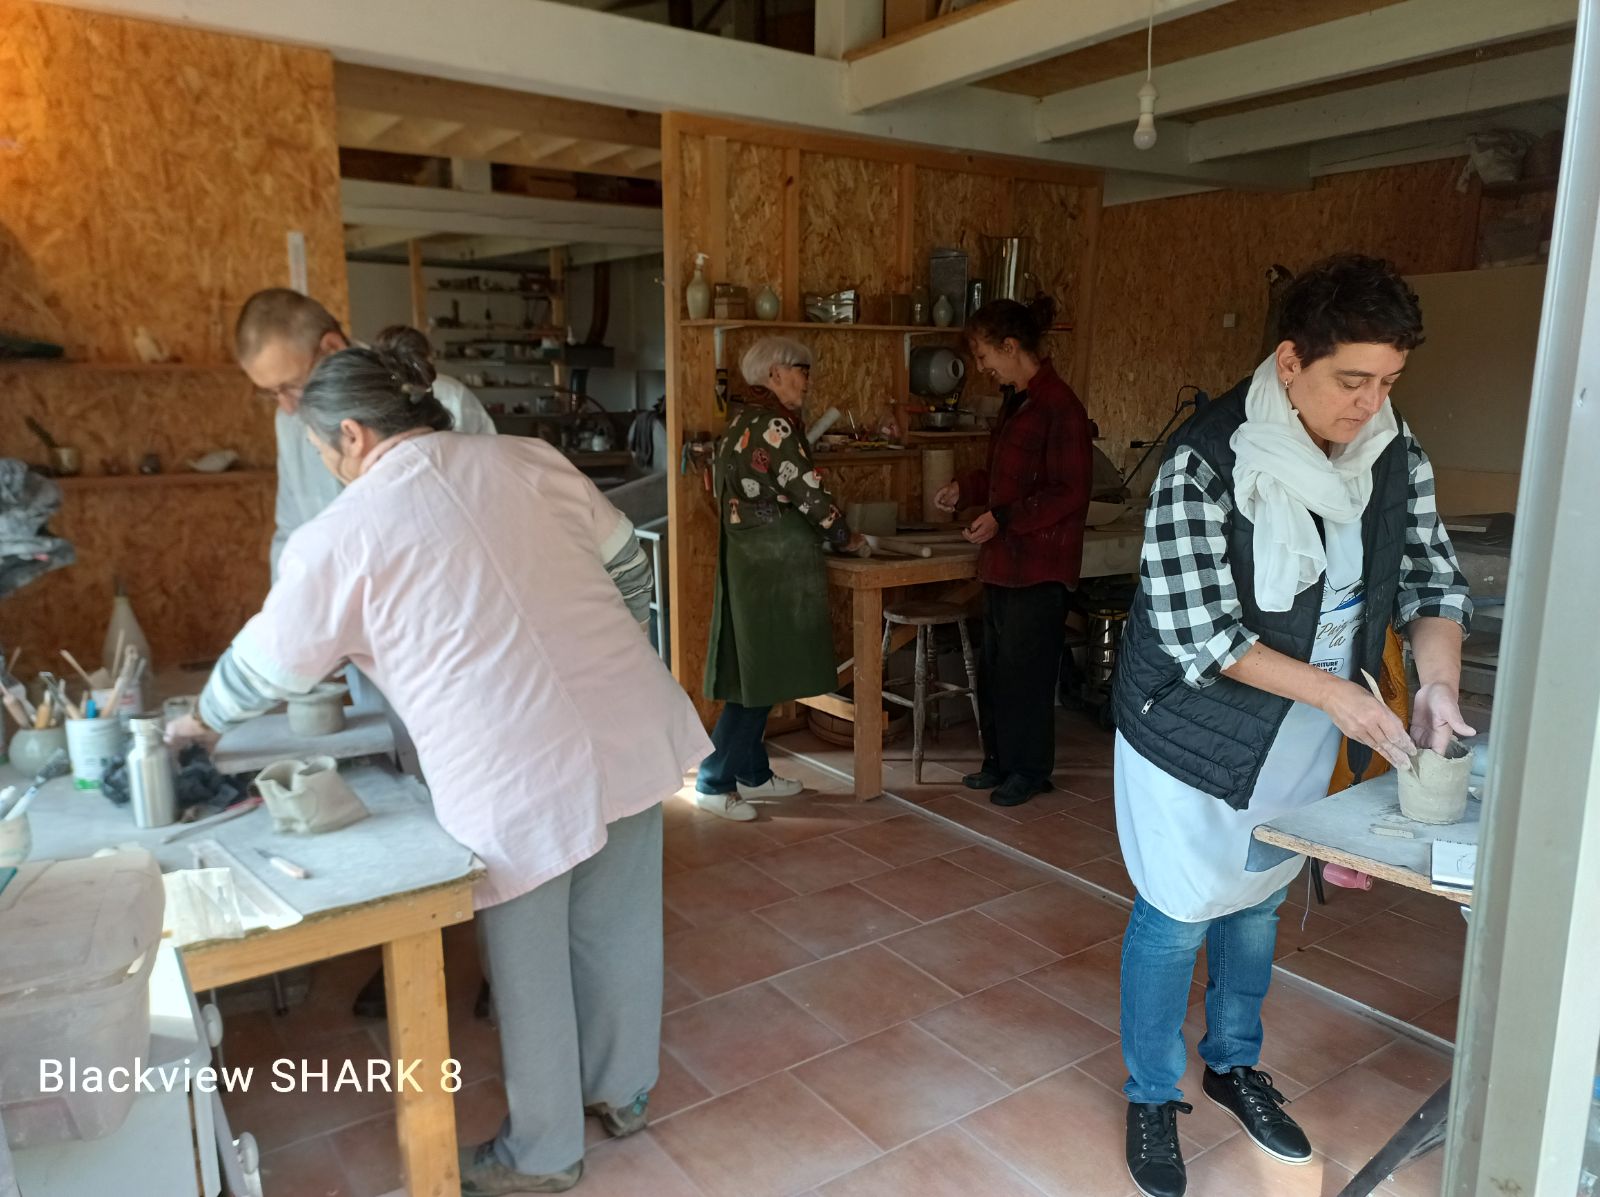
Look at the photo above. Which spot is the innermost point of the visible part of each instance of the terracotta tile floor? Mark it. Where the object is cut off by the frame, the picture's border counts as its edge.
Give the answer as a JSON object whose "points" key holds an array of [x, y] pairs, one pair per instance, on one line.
{"points": [[877, 999]]}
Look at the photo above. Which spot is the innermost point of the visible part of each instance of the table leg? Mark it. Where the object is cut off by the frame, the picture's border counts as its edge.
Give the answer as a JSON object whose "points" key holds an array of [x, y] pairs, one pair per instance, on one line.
{"points": [[867, 672], [413, 969], [1421, 1134]]}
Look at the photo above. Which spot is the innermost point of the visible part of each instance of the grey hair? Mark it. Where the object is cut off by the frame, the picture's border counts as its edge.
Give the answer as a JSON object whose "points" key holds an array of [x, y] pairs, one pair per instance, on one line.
{"points": [[757, 363], [388, 391]]}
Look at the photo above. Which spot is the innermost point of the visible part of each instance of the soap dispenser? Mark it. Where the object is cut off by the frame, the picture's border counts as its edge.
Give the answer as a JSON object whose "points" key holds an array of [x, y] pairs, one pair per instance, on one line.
{"points": [[698, 294]]}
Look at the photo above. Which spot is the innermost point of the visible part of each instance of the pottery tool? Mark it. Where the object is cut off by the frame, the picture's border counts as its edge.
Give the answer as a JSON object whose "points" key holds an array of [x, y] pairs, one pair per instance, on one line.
{"points": [[889, 544], [124, 674], [19, 714], [11, 665], [73, 661], [233, 812], [57, 765], [284, 865], [1372, 684], [38, 430], [41, 717]]}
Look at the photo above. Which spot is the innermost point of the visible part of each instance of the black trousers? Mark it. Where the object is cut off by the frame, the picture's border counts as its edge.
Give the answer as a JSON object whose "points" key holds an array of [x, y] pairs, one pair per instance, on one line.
{"points": [[1023, 630]]}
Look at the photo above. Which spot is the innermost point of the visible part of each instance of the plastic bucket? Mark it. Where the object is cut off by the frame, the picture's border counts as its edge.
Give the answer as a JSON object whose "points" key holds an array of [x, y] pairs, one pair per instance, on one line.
{"points": [[94, 745]]}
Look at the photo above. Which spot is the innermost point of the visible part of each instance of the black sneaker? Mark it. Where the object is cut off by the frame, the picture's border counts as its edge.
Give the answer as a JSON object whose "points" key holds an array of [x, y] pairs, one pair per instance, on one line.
{"points": [[1018, 789], [1155, 1158], [984, 779], [1249, 1096]]}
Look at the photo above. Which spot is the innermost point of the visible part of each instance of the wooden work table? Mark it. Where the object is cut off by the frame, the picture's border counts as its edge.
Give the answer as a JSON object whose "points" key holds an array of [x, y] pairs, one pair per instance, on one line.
{"points": [[393, 880], [1107, 552], [1338, 829]]}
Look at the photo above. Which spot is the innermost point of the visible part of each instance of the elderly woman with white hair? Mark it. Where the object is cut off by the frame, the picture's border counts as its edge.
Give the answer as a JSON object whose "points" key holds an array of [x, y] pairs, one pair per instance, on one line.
{"points": [[771, 640]]}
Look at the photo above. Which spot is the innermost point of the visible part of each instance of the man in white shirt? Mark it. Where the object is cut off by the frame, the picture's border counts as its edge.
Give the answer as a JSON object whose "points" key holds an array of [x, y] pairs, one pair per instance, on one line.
{"points": [[278, 340], [280, 337]]}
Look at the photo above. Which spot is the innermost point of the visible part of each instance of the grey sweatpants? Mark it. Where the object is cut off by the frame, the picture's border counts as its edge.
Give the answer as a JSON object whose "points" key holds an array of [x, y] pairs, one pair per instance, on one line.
{"points": [[575, 969]]}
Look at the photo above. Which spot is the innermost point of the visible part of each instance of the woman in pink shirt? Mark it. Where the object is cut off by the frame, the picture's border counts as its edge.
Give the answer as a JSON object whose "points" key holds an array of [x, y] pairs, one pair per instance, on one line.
{"points": [[495, 597]]}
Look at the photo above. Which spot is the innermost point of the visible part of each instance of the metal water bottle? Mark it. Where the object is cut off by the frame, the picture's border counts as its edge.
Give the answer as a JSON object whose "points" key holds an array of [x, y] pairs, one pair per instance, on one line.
{"points": [[152, 788]]}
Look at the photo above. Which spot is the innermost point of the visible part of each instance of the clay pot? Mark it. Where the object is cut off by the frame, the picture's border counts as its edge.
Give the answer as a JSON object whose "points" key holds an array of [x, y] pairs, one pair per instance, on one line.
{"points": [[1435, 789], [320, 713]]}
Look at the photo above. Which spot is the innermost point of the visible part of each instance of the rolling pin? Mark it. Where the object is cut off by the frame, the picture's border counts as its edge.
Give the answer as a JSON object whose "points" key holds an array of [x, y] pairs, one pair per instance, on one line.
{"points": [[889, 544]]}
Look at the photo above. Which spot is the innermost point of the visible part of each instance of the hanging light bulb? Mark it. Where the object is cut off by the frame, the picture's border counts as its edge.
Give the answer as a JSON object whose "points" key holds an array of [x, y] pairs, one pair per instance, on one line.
{"points": [[1144, 133]]}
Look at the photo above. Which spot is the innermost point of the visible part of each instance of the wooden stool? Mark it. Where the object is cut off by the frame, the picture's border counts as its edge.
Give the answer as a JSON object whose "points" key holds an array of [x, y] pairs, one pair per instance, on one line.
{"points": [[925, 616]]}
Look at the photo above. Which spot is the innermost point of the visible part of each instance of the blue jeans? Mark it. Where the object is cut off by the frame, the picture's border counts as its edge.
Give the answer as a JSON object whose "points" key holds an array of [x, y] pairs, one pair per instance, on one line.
{"points": [[738, 751], [1158, 956]]}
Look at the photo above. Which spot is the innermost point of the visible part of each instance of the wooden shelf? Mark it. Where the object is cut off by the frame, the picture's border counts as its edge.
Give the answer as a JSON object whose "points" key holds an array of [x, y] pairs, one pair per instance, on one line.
{"points": [[559, 334], [934, 435], [62, 363], [856, 456], [817, 326], [182, 478], [555, 289], [1522, 186]]}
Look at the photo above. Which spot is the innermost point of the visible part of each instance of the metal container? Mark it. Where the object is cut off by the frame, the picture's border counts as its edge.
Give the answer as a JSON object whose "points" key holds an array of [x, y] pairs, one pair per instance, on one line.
{"points": [[842, 307], [152, 789], [1006, 273], [935, 372], [947, 278]]}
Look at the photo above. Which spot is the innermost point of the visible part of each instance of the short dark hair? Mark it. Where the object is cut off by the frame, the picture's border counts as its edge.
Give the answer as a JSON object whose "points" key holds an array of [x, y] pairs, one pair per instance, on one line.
{"points": [[280, 312], [402, 338], [1348, 299], [1000, 319]]}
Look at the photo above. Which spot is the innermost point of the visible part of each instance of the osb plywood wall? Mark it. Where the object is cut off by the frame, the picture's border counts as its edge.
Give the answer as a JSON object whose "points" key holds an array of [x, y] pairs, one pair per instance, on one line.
{"points": [[1168, 271], [149, 177], [820, 213]]}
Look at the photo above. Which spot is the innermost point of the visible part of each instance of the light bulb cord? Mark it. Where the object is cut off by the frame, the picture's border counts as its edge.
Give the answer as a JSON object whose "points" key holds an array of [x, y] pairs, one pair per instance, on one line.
{"points": [[1149, 43]]}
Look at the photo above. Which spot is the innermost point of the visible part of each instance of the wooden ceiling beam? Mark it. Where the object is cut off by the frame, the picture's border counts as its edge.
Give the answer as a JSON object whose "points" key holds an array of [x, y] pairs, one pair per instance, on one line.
{"points": [[1460, 91], [1403, 33], [375, 90], [992, 40], [360, 238], [442, 210]]}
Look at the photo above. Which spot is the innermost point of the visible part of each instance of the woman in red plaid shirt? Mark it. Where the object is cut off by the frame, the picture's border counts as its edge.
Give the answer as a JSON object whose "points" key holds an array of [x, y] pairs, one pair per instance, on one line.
{"points": [[1034, 495]]}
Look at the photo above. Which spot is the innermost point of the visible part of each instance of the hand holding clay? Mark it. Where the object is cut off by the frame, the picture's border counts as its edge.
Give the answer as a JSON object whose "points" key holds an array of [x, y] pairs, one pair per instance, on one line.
{"points": [[1436, 716], [948, 496], [1367, 721], [187, 729]]}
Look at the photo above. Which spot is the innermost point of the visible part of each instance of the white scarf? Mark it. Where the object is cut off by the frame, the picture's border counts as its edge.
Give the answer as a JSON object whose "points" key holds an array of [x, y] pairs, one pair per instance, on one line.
{"points": [[1281, 479]]}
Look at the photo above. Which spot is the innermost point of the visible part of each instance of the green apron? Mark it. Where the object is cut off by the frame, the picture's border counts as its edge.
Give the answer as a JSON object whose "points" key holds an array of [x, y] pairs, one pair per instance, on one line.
{"points": [[771, 632]]}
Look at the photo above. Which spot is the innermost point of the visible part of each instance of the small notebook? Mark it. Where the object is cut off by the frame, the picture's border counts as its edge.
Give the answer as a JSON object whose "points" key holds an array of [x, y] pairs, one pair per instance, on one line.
{"points": [[1454, 865]]}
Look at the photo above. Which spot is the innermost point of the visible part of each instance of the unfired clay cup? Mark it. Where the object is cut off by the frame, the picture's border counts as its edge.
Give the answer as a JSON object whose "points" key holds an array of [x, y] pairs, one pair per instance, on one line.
{"points": [[1434, 790]]}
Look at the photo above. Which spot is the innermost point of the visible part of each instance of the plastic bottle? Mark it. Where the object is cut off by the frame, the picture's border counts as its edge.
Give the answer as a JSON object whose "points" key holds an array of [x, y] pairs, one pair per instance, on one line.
{"points": [[123, 630], [697, 296], [152, 790]]}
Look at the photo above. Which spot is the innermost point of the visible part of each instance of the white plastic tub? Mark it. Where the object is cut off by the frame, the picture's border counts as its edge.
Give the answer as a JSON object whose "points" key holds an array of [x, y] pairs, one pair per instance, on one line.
{"points": [[78, 938]]}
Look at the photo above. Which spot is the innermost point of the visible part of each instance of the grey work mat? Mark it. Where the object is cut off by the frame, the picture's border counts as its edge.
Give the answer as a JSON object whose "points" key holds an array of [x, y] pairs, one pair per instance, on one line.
{"points": [[399, 848], [1344, 821], [259, 742]]}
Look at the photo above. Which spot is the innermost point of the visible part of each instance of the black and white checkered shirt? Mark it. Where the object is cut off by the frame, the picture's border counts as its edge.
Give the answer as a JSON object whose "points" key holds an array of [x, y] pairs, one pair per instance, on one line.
{"points": [[1194, 603]]}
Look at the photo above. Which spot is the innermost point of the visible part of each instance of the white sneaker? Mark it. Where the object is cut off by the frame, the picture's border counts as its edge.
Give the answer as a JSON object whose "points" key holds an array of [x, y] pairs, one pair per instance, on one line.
{"points": [[726, 806], [773, 787]]}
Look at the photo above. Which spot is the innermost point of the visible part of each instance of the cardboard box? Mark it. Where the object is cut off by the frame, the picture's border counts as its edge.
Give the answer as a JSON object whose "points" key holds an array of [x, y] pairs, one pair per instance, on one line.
{"points": [[899, 15]]}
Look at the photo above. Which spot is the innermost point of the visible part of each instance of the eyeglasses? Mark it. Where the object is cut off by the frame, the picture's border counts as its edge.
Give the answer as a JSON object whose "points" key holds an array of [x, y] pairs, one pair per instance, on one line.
{"points": [[803, 368], [286, 390]]}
